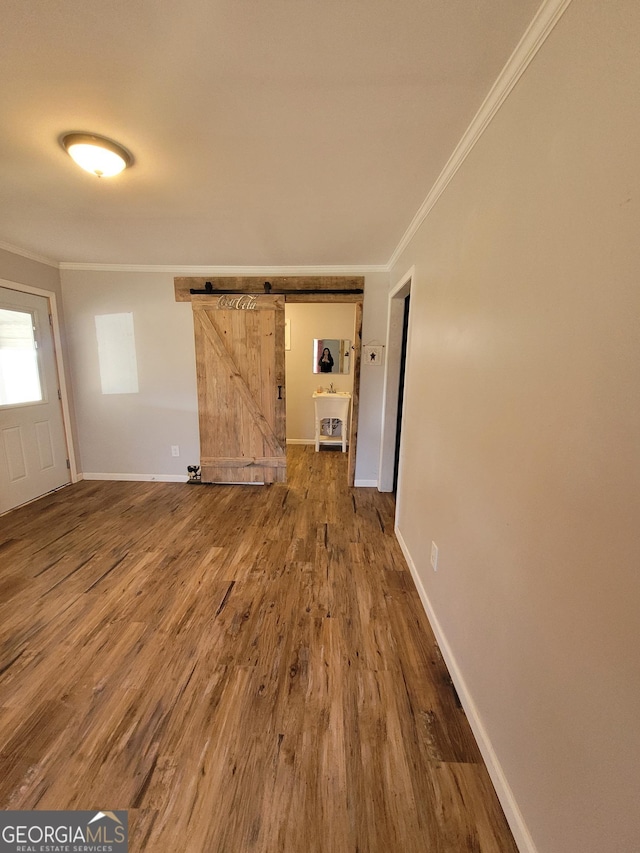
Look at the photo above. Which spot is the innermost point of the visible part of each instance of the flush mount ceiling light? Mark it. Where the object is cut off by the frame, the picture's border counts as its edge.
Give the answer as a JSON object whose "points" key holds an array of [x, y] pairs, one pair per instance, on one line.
{"points": [[96, 154]]}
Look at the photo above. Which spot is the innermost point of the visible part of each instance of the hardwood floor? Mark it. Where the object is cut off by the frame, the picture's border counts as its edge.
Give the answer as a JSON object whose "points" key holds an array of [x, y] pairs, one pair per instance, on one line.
{"points": [[242, 668]]}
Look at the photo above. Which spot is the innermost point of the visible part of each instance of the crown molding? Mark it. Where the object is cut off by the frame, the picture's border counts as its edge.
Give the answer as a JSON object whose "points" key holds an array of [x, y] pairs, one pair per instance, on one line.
{"points": [[182, 270], [16, 250], [536, 34]]}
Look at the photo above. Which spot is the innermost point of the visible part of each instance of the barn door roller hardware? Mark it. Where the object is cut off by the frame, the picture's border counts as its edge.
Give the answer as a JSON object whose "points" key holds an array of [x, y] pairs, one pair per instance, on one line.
{"points": [[209, 289]]}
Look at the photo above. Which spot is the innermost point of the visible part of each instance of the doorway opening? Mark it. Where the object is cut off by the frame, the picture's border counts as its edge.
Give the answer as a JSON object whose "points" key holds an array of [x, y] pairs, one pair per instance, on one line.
{"points": [[398, 337], [36, 453], [308, 322], [218, 305], [403, 363]]}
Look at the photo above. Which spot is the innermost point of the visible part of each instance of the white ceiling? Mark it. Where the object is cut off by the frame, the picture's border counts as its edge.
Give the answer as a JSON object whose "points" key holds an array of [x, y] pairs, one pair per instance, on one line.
{"points": [[265, 132]]}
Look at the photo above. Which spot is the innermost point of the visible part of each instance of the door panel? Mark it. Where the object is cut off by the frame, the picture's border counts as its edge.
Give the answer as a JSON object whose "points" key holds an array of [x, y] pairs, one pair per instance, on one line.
{"points": [[241, 406], [45, 445], [33, 448], [14, 452]]}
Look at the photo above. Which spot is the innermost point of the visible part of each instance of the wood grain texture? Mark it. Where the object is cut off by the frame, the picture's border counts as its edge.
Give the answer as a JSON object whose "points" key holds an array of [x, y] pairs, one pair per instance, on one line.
{"points": [[240, 365], [242, 669], [213, 417], [323, 297], [255, 284]]}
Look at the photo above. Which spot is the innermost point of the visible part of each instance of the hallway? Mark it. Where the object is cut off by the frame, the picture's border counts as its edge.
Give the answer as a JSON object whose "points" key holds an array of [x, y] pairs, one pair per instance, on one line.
{"points": [[242, 668]]}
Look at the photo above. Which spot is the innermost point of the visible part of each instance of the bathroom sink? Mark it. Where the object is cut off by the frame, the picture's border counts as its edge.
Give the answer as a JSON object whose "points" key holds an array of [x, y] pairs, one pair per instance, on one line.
{"points": [[331, 406]]}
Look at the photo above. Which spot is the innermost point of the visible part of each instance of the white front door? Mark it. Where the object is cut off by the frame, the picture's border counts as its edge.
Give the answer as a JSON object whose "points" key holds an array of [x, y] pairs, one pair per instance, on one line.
{"points": [[33, 448]]}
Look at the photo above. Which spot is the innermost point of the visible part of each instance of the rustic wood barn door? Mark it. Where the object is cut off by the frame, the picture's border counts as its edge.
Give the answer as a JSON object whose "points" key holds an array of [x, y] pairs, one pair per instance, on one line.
{"points": [[239, 329], [241, 378]]}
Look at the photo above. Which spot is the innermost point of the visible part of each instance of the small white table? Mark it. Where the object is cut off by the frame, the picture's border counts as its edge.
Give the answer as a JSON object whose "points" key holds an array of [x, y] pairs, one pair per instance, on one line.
{"points": [[335, 407]]}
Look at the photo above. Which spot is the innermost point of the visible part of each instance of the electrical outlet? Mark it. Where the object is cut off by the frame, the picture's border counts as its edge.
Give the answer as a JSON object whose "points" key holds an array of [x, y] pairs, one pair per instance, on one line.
{"points": [[434, 556], [175, 450]]}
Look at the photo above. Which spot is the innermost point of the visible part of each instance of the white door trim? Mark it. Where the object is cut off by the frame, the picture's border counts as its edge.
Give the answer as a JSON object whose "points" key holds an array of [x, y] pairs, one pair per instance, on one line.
{"points": [[393, 351], [57, 343]]}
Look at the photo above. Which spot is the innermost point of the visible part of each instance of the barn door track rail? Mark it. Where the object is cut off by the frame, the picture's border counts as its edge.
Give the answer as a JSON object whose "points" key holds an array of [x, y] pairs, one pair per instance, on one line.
{"points": [[269, 291]]}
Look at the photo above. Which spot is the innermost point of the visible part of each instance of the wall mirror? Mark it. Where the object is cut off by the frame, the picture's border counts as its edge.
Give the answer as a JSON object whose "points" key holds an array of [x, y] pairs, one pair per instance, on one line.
{"points": [[331, 355]]}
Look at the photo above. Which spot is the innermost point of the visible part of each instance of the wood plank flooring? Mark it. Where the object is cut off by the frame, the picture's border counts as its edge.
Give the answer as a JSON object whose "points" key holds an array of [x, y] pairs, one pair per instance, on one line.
{"points": [[243, 668]]}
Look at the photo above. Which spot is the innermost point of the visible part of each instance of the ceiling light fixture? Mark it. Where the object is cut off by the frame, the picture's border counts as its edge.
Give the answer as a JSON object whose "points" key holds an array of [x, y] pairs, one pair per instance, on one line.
{"points": [[96, 154]]}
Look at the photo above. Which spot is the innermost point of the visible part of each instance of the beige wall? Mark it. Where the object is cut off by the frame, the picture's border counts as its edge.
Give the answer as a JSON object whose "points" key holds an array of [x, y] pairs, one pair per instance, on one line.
{"points": [[374, 331], [132, 434], [309, 321], [23, 270], [521, 438]]}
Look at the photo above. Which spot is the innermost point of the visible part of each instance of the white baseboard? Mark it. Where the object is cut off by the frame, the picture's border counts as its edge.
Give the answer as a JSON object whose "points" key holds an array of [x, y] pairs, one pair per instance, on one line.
{"points": [[183, 478], [300, 441], [503, 790], [137, 478]]}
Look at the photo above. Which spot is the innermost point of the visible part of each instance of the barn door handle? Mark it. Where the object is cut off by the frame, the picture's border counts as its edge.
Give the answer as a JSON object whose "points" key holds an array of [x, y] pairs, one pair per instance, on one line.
{"points": [[279, 392]]}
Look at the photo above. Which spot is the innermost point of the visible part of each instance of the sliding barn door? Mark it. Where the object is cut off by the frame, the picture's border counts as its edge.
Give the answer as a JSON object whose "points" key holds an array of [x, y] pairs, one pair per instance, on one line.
{"points": [[241, 406]]}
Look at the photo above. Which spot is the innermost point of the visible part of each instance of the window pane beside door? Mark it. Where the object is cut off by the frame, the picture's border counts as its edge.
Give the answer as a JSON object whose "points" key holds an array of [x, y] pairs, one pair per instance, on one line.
{"points": [[19, 373]]}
